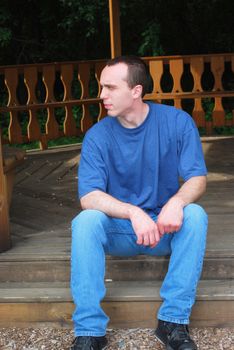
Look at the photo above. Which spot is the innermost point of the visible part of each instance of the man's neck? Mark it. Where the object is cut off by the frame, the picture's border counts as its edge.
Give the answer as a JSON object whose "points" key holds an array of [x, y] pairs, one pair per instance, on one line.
{"points": [[136, 117]]}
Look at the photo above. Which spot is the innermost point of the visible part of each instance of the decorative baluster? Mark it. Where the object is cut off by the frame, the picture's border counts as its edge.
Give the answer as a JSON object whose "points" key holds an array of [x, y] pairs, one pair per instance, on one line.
{"points": [[217, 68], [84, 76], [52, 128], [98, 69], [14, 129], [69, 124], [30, 79], [198, 113], [156, 71], [176, 69], [218, 113], [197, 68]]}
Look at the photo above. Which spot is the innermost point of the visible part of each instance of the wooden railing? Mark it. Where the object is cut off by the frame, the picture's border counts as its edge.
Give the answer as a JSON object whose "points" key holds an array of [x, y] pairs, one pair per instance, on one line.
{"points": [[64, 96], [199, 83]]}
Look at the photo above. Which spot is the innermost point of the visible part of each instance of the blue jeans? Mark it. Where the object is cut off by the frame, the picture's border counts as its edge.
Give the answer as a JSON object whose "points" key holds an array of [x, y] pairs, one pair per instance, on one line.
{"points": [[94, 234]]}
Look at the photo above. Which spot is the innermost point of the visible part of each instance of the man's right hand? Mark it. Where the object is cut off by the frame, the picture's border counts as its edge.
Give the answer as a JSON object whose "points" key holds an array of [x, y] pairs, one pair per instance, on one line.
{"points": [[144, 227]]}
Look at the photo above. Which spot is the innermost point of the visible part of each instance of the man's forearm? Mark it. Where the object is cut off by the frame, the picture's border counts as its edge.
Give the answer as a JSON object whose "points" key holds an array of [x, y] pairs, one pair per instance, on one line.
{"points": [[170, 218], [191, 190], [144, 227], [107, 204]]}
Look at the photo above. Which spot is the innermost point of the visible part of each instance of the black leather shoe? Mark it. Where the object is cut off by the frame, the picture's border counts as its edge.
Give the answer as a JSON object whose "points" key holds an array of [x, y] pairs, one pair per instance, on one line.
{"points": [[174, 336], [89, 343]]}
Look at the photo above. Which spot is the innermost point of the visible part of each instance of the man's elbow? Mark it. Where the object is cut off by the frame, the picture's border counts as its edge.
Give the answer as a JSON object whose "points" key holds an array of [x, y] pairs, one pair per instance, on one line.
{"points": [[88, 200], [84, 202], [203, 184]]}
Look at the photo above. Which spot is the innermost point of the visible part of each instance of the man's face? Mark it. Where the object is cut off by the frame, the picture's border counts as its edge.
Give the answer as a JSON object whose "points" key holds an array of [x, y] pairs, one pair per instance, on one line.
{"points": [[117, 96]]}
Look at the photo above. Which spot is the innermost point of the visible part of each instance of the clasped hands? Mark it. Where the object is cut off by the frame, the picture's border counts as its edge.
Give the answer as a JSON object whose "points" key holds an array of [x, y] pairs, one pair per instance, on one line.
{"points": [[149, 232]]}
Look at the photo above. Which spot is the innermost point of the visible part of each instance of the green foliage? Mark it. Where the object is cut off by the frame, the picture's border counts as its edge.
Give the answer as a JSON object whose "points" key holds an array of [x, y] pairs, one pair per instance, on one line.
{"points": [[27, 146], [5, 31], [62, 141], [65, 141], [151, 41], [224, 130], [228, 115], [5, 37], [208, 106], [4, 123], [63, 30]]}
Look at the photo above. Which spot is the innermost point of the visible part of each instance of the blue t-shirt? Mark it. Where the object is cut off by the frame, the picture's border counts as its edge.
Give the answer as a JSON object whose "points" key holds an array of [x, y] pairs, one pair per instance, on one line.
{"points": [[141, 166]]}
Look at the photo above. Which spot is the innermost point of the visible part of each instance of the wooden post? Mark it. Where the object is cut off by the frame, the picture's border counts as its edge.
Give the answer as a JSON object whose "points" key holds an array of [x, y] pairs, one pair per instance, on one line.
{"points": [[5, 241], [115, 36]]}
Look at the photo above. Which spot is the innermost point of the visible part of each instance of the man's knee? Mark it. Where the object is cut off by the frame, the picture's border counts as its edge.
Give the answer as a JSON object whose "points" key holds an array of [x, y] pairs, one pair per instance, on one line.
{"points": [[195, 222], [195, 213], [87, 223], [87, 216]]}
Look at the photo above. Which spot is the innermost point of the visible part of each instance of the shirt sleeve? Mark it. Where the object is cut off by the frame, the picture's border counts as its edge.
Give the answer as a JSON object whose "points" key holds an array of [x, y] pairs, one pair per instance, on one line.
{"points": [[191, 158], [92, 172]]}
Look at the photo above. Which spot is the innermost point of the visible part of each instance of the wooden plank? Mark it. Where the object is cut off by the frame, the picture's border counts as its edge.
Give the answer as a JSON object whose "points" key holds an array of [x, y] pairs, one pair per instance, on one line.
{"points": [[143, 314], [5, 239], [57, 168], [122, 314], [57, 268], [42, 209], [29, 169], [115, 34], [35, 271], [59, 314], [67, 198], [116, 291], [134, 307]]}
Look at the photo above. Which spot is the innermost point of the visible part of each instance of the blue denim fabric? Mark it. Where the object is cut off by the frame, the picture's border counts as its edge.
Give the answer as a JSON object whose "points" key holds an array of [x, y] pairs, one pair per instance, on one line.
{"points": [[94, 234]]}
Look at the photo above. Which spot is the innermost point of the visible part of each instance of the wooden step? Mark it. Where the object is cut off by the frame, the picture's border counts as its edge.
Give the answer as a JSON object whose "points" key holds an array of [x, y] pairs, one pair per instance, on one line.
{"points": [[129, 304], [217, 265]]}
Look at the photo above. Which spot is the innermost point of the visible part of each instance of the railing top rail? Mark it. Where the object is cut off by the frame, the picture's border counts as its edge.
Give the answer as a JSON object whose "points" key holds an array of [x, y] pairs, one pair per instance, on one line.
{"points": [[206, 57], [21, 67]]}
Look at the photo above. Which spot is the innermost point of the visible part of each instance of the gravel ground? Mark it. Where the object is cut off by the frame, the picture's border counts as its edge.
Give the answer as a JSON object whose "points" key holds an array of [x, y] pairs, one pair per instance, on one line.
{"points": [[122, 339]]}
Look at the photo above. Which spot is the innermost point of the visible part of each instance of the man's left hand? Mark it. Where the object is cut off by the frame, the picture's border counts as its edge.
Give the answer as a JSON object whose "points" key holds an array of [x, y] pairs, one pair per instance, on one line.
{"points": [[170, 218]]}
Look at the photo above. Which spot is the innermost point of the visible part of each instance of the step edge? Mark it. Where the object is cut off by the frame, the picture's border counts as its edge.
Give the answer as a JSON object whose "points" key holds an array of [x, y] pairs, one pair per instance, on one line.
{"points": [[5, 257], [149, 292]]}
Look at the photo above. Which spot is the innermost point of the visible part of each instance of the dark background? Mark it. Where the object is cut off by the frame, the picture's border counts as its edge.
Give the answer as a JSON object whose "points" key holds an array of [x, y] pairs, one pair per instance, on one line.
{"points": [[47, 30]]}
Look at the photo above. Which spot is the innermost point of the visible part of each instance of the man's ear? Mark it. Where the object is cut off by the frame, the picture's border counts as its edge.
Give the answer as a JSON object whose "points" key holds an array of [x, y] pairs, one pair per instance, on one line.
{"points": [[137, 91]]}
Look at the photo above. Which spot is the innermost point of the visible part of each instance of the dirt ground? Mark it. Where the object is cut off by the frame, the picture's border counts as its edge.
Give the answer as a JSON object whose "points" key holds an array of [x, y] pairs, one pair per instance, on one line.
{"points": [[122, 339]]}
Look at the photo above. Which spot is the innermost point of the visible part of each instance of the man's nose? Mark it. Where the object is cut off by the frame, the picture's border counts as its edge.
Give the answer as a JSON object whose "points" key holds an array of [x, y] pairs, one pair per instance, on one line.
{"points": [[102, 94]]}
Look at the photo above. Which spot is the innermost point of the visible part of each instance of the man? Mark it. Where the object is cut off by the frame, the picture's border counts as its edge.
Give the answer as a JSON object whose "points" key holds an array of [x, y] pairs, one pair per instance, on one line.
{"points": [[132, 204]]}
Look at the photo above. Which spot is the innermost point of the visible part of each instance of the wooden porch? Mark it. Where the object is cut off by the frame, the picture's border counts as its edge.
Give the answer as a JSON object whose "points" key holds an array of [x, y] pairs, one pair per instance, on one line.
{"points": [[34, 273], [44, 102]]}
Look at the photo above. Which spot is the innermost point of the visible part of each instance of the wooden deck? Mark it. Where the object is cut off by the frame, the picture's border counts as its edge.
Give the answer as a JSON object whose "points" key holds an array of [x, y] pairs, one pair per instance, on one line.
{"points": [[45, 200], [44, 203]]}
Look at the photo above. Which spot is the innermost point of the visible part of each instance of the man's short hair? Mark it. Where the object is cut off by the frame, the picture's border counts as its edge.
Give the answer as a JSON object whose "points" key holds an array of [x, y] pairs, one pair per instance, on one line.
{"points": [[138, 72]]}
